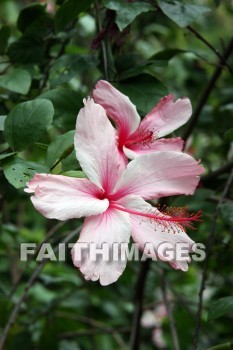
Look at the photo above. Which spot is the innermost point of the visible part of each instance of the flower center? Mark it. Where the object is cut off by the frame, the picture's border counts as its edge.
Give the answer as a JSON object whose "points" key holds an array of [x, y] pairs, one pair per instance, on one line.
{"points": [[141, 137], [101, 195]]}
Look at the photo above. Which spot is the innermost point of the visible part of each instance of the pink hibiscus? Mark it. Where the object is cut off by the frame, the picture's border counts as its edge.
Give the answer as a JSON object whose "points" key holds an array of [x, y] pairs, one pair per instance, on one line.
{"points": [[134, 137], [113, 199]]}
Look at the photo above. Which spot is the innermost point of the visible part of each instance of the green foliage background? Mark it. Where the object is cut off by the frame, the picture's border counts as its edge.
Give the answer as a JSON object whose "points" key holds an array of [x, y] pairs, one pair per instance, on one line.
{"points": [[50, 60]]}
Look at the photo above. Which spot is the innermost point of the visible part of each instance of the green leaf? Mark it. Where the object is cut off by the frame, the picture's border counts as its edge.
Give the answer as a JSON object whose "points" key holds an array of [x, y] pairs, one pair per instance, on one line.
{"points": [[67, 67], [229, 135], [227, 213], [182, 14], [5, 33], [143, 68], [66, 103], [154, 63], [143, 90], [217, 2], [18, 171], [5, 308], [29, 15], [6, 155], [19, 339], [220, 307], [167, 54], [69, 12], [128, 61], [68, 345], [49, 336], [26, 50], [27, 122], [70, 162], [74, 173], [2, 122], [41, 294], [126, 12], [17, 80], [60, 148]]}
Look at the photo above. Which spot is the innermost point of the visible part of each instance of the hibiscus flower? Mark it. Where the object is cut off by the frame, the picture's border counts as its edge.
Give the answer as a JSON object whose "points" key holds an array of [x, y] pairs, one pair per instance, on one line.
{"points": [[113, 199], [136, 137]]}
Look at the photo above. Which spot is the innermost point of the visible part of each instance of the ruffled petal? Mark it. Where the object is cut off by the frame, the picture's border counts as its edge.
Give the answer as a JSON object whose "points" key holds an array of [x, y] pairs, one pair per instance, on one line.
{"points": [[118, 107], [167, 116], [62, 197], [173, 144], [102, 230], [158, 175], [150, 232], [96, 148]]}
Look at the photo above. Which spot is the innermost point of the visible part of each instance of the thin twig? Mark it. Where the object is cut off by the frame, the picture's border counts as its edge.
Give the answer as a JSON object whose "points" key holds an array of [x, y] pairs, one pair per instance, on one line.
{"points": [[29, 284], [205, 95], [172, 325], [140, 286], [206, 264], [211, 47], [103, 46]]}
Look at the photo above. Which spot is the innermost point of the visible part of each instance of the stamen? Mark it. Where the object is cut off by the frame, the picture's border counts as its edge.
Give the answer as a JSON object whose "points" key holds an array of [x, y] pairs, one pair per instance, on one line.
{"points": [[172, 219], [142, 137], [181, 215]]}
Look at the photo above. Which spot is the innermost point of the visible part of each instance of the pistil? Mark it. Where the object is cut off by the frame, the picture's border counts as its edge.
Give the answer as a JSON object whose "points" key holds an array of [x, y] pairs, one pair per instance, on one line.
{"points": [[180, 218]]}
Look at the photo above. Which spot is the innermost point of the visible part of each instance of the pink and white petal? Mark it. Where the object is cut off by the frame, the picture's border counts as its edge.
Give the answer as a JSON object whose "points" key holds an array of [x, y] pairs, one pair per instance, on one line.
{"points": [[62, 197], [167, 116], [172, 144], [158, 175], [118, 107], [95, 145], [180, 265], [123, 162], [111, 227], [146, 231]]}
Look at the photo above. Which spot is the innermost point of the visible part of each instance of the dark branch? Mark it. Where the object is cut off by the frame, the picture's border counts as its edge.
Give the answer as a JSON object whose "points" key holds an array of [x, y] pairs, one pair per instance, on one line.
{"points": [[139, 295]]}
